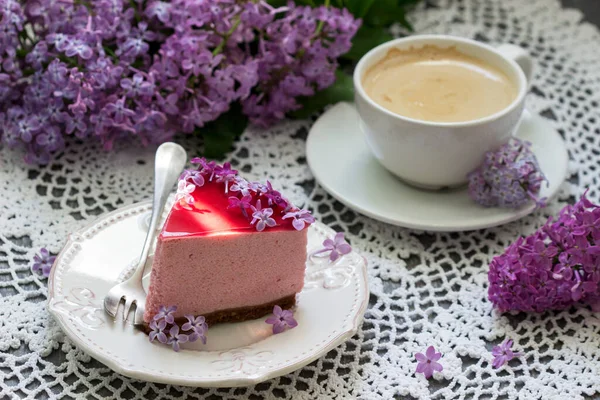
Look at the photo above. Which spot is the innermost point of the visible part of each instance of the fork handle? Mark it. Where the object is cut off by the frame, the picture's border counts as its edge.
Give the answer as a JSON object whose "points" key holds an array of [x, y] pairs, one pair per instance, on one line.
{"points": [[169, 162]]}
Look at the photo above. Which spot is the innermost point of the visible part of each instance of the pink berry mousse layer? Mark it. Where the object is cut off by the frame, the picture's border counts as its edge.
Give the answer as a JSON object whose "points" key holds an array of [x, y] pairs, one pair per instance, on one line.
{"points": [[235, 270], [210, 259]]}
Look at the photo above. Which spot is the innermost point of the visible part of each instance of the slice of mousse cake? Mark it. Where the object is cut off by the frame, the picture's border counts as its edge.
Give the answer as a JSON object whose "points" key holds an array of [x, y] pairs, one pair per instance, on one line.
{"points": [[229, 250]]}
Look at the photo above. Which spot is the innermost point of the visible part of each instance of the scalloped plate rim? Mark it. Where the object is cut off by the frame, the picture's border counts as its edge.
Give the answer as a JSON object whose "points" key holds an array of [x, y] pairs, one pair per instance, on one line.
{"points": [[496, 217], [66, 324]]}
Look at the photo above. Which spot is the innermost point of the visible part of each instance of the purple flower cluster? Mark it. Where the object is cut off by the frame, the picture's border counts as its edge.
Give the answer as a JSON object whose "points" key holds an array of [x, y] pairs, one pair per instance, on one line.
{"points": [[509, 177], [164, 321], [556, 267], [245, 196], [42, 263], [110, 69]]}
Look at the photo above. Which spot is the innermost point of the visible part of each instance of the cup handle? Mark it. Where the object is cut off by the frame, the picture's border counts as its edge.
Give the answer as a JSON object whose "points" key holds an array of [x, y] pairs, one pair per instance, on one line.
{"points": [[520, 56]]}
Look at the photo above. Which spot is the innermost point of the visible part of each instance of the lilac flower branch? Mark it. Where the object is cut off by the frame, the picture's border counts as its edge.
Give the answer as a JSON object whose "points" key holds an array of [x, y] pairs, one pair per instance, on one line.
{"points": [[197, 56], [556, 267]]}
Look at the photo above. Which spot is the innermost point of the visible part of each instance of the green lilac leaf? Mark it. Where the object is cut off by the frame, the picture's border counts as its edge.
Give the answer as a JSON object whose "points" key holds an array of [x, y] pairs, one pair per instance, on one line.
{"points": [[341, 90]]}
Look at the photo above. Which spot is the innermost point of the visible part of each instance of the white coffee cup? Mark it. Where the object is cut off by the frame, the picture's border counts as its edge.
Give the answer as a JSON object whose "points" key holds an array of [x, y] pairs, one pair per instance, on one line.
{"points": [[434, 155]]}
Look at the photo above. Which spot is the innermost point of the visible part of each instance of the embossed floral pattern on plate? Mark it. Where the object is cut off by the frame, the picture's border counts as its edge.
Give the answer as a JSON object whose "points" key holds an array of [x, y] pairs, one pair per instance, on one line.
{"points": [[93, 260]]}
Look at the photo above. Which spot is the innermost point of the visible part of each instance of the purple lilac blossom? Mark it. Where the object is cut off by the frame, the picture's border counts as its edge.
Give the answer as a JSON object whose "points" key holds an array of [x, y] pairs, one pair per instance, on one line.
{"points": [[207, 168], [509, 177], [183, 197], [195, 176], [166, 313], [300, 218], [157, 331], [274, 197], [164, 321], [225, 174], [428, 363], [241, 185], [108, 70], [281, 320], [242, 204], [336, 247], [503, 353], [197, 326], [176, 338], [42, 262], [262, 217], [554, 268]]}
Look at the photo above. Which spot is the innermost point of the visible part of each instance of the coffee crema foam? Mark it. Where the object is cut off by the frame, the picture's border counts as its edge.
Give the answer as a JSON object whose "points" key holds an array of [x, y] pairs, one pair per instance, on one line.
{"points": [[438, 85]]}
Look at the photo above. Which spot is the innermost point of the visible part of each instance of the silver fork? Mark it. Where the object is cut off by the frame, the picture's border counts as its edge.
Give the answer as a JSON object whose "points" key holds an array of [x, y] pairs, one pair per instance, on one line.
{"points": [[169, 162]]}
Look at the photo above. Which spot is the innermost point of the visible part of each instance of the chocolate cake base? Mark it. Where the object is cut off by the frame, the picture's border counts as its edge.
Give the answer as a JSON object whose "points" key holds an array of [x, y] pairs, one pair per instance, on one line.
{"points": [[247, 313], [240, 314]]}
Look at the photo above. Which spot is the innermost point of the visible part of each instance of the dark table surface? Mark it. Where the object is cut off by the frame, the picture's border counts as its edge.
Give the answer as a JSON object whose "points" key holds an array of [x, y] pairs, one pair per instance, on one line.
{"points": [[590, 9]]}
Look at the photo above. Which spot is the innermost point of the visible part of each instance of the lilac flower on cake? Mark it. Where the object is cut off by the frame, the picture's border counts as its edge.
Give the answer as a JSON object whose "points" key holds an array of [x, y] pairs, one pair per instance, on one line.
{"points": [[166, 313], [206, 167], [509, 177], [42, 262], [195, 177], [157, 331], [300, 218], [241, 185], [225, 174], [176, 338], [183, 197], [336, 247], [503, 353], [554, 268], [281, 320], [242, 204], [274, 197], [428, 363], [262, 217]]}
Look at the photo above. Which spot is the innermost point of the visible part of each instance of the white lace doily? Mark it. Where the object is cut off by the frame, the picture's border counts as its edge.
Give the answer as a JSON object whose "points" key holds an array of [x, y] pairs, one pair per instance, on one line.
{"points": [[427, 289]]}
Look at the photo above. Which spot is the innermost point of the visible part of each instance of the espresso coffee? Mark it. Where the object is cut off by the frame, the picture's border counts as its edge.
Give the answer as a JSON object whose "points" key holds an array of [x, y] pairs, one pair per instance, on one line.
{"points": [[438, 85]]}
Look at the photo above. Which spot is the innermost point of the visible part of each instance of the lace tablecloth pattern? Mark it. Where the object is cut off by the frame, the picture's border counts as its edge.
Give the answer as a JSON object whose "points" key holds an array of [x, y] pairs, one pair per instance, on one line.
{"points": [[426, 289]]}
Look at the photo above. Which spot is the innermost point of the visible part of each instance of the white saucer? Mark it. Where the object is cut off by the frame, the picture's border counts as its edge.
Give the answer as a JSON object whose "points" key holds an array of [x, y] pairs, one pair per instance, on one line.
{"points": [[237, 354], [342, 164]]}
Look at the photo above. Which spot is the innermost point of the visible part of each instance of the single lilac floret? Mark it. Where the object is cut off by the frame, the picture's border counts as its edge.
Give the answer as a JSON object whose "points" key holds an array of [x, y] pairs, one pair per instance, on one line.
{"points": [[206, 167], [42, 262], [166, 314], [183, 197], [336, 246], [197, 326], [242, 204], [176, 338], [195, 177], [281, 320], [428, 362], [503, 353], [300, 218], [156, 333], [262, 217], [274, 197], [243, 186], [225, 174]]}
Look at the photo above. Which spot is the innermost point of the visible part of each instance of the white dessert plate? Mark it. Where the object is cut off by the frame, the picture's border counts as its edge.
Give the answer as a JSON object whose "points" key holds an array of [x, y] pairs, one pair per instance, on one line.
{"points": [[343, 165], [238, 354]]}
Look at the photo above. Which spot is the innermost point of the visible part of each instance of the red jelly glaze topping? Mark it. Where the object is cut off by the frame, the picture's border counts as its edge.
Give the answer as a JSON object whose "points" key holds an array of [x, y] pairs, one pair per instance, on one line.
{"points": [[209, 215]]}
